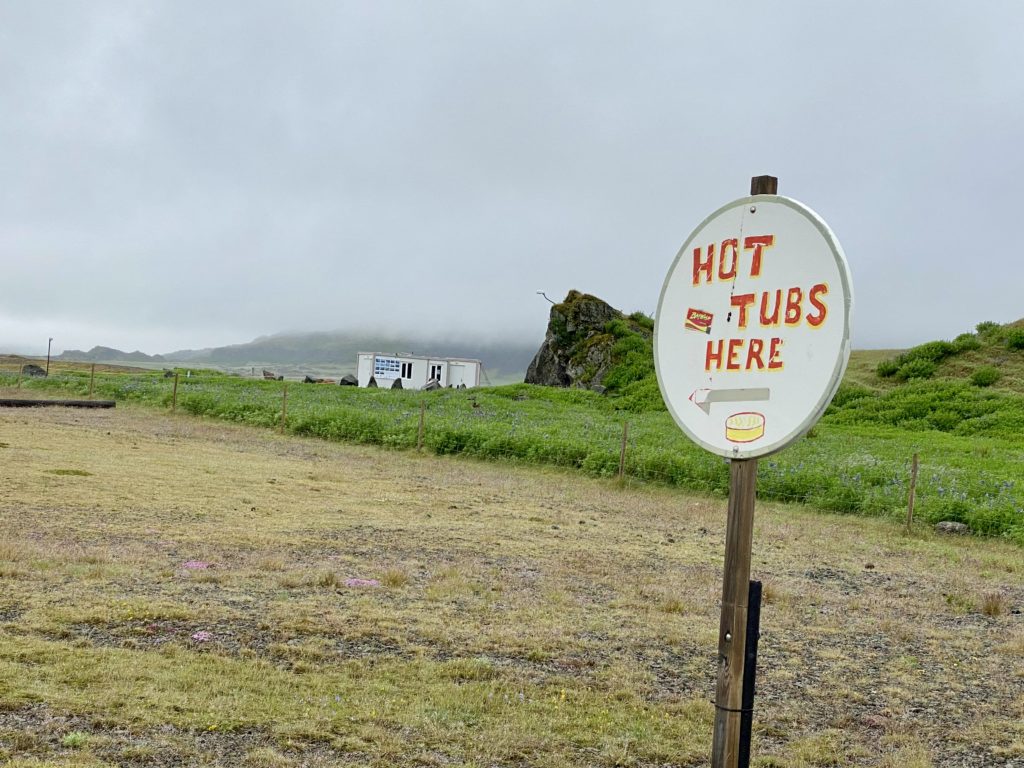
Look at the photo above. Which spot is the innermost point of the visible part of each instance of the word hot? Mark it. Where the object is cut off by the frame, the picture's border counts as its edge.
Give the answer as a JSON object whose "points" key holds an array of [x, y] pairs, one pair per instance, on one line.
{"points": [[771, 307]]}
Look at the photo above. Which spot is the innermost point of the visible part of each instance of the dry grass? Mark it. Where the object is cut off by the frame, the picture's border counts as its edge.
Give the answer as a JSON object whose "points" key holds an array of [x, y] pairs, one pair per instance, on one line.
{"points": [[502, 632], [395, 577], [14, 363], [994, 604]]}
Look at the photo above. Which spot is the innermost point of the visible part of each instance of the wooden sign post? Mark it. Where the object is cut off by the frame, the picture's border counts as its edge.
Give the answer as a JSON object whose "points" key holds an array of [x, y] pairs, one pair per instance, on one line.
{"points": [[751, 339], [732, 630]]}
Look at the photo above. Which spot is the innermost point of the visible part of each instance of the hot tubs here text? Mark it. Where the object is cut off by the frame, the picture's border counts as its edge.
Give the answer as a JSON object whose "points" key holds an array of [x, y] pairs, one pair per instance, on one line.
{"points": [[770, 308]]}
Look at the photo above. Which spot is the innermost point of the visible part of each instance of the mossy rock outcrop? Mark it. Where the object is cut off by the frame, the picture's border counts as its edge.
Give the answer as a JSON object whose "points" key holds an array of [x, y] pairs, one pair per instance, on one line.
{"points": [[591, 345]]}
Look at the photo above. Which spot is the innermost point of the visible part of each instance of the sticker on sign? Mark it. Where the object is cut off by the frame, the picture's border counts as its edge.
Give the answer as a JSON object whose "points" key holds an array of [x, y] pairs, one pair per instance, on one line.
{"points": [[752, 334]]}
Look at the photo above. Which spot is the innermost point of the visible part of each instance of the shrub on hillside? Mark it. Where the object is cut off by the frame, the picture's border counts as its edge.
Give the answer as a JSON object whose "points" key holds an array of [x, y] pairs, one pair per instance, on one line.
{"points": [[642, 396], [847, 393], [967, 342], [618, 328], [987, 327], [887, 368], [631, 353], [643, 320], [633, 362], [932, 351], [1015, 338], [921, 362], [945, 405], [920, 368], [985, 376]]}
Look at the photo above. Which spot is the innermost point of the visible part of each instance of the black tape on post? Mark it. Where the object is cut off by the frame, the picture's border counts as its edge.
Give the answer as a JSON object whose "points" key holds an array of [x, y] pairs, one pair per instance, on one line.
{"points": [[750, 672]]}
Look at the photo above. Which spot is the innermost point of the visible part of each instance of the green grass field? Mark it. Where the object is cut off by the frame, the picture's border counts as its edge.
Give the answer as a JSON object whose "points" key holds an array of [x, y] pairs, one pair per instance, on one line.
{"points": [[855, 461], [177, 586]]}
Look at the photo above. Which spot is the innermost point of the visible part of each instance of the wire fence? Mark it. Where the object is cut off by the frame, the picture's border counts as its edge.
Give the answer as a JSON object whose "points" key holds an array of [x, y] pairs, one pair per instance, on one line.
{"points": [[845, 470]]}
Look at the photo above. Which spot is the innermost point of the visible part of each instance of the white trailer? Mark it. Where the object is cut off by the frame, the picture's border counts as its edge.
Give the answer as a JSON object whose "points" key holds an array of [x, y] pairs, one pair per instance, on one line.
{"points": [[416, 371]]}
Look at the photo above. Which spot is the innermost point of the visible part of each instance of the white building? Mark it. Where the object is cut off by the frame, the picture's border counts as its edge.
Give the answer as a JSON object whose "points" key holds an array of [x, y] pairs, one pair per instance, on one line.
{"points": [[416, 371]]}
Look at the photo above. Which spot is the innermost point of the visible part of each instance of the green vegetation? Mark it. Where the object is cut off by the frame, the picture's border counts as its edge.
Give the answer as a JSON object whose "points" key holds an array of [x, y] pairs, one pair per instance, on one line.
{"points": [[960, 404], [922, 361], [631, 380], [985, 376], [856, 461]]}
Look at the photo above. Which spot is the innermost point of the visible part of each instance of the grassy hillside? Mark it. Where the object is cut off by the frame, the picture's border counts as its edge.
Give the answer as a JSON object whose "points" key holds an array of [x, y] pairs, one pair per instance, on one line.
{"points": [[991, 356], [863, 364], [972, 385]]}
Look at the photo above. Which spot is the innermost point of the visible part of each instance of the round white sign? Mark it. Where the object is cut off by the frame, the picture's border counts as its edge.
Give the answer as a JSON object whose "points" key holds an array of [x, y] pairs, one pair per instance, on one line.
{"points": [[752, 334]]}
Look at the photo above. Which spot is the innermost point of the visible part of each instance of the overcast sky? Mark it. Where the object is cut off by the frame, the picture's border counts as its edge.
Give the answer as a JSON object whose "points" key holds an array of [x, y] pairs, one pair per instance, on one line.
{"points": [[187, 174]]}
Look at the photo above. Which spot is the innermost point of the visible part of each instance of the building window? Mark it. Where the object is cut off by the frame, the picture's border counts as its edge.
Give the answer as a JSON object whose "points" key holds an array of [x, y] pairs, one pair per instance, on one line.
{"points": [[386, 367], [406, 370], [435, 372]]}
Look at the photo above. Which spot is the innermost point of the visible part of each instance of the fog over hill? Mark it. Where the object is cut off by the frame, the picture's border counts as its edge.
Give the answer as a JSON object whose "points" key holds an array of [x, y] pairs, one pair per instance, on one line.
{"points": [[332, 348], [108, 355]]}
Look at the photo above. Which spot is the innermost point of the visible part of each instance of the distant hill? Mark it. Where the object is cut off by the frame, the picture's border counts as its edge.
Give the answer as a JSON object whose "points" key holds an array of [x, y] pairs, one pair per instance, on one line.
{"points": [[338, 350], [108, 355], [326, 352]]}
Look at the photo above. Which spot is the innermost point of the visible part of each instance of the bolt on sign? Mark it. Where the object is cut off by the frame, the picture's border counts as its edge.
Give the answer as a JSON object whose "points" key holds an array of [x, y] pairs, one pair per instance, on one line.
{"points": [[753, 326]]}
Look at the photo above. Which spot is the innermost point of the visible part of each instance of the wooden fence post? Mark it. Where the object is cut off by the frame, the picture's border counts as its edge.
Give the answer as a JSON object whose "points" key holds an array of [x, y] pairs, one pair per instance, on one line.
{"points": [[912, 493], [92, 379], [284, 408], [174, 395], [21, 370], [419, 434], [622, 451]]}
